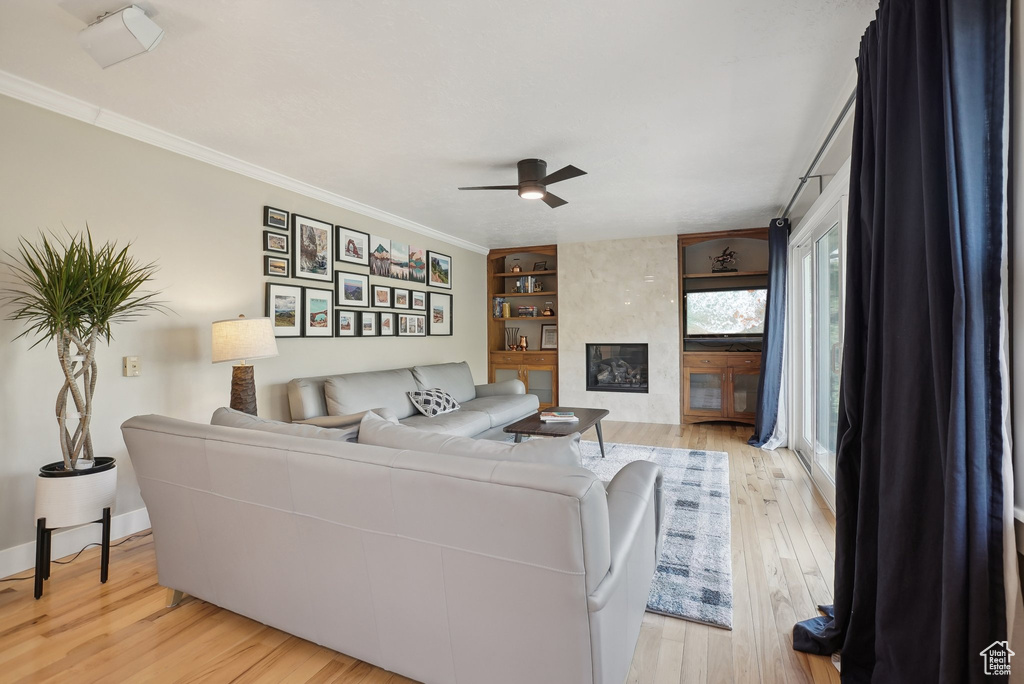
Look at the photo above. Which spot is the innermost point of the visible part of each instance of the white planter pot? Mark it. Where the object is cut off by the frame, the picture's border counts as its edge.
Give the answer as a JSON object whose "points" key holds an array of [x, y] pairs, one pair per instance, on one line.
{"points": [[76, 499]]}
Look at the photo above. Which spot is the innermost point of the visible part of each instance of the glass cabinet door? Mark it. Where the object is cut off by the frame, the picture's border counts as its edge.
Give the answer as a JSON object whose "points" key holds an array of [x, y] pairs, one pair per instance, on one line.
{"points": [[501, 374], [744, 392], [704, 391], [541, 382]]}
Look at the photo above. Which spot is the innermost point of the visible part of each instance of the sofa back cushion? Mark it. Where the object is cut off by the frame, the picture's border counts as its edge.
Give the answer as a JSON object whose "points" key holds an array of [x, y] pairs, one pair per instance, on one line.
{"points": [[355, 392], [232, 418], [376, 431], [454, 378]]}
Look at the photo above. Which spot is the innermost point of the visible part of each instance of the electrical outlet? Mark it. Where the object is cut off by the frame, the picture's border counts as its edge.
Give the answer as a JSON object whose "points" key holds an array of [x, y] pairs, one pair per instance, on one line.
{"points": [[132, 367]]}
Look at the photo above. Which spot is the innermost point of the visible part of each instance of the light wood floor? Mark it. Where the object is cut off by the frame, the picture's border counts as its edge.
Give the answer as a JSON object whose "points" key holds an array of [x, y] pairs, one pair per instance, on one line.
{"points": [[782, 552]]}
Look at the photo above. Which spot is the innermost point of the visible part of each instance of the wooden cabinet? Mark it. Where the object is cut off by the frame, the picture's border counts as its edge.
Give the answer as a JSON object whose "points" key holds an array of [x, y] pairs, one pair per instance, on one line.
{"points": [[720, 386], [538, 371]]}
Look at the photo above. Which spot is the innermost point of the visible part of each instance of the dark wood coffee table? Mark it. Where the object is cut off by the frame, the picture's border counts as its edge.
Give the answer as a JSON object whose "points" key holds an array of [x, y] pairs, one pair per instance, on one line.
{"points": [[533, 425]]}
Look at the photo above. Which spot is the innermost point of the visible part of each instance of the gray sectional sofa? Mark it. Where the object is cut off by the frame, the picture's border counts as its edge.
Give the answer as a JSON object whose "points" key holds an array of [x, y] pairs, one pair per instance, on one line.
{"points": [[338, 400]]}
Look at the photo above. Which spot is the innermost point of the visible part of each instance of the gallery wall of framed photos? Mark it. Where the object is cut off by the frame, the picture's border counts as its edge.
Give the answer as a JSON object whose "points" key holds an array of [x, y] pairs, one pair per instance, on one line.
{"points": [[354, 284]]}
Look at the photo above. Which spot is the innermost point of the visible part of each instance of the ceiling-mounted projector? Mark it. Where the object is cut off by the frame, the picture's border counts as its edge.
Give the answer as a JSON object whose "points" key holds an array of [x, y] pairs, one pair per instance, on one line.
{"points": [[120, 35]]}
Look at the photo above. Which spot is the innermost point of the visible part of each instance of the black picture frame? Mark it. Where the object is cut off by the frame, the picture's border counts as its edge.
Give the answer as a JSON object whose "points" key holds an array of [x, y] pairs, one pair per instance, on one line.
{"points": [[446, 326], [319, 263], [346, 284], [272, 242], [365, 316], [417, 294], [275, 218], [346, 323], [415, 325], [540, 266], [341, 246], [314, 329], [278, 319], [400, 298], [376, 291], [434, 276], [277, 266], [391, 325]]}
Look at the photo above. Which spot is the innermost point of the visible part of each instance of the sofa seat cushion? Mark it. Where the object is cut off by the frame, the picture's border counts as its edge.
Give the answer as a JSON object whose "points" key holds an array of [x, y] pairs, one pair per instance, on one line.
{"points": [[462, 423], [454, 378], [356, 392], [237, 419], [376, 431], [504, 409]]}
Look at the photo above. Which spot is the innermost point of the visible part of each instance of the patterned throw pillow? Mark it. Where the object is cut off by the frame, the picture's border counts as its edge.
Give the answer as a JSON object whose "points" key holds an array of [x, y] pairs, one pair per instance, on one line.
{"points": [[433, 402]]}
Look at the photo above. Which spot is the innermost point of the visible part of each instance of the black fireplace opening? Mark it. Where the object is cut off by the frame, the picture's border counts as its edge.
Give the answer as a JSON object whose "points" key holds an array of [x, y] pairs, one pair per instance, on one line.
{"points": [[617, 368]]}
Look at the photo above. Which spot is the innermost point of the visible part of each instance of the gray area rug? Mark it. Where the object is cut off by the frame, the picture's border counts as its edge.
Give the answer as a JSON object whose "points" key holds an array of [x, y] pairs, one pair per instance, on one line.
{"points": [[694, 576]]}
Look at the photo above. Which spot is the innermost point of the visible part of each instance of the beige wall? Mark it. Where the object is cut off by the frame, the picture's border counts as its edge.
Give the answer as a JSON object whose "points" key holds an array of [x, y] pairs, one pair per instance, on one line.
{"points": [[202, 225], [620, 291]]}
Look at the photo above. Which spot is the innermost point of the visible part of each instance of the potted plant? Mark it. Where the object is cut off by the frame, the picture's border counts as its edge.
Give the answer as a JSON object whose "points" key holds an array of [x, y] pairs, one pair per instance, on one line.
{"points": [[71, 292]]}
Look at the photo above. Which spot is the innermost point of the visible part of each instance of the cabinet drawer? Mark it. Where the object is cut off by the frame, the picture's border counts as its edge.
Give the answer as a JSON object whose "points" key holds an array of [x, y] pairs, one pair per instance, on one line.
{"points": [[745, 361], [705, 361], [541, 358], [506, 357]]}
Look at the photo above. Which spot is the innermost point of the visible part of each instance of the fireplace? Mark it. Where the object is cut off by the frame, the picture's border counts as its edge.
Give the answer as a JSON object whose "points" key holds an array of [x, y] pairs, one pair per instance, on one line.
{"points": [[617, 368]]}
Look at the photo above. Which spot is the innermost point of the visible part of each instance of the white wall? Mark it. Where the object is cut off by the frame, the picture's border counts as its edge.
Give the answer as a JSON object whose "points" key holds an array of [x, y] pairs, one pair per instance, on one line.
{"points": [[202, 224], [617, 291]]}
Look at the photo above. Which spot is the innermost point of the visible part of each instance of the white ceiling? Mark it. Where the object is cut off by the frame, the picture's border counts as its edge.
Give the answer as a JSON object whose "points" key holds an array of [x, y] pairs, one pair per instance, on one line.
{"points": [[688, 116]]}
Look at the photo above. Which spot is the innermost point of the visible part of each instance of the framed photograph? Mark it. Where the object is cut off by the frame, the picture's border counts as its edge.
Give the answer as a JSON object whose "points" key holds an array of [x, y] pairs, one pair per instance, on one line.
{"points": [[353, 246], [347, 323], [368, 324], [275, 218], [381, 296], [549, 336], [540, 266], [439, 316], [412, 325], [387, 323], [313, 256], [399, 260], [439, 270], [284, 309], [276, 266], [318, 305], [419, 300], [400, 298], [417, 265], [351, 289], [380, 256], [275, 242]]}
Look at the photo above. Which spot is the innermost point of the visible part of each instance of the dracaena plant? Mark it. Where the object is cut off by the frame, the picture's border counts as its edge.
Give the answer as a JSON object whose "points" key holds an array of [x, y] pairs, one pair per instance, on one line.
{"points": [[72, 292]]}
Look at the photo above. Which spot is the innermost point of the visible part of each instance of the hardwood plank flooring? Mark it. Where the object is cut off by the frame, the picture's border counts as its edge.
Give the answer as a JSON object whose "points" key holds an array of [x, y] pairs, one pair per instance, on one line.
{"points": [[783, 546]]}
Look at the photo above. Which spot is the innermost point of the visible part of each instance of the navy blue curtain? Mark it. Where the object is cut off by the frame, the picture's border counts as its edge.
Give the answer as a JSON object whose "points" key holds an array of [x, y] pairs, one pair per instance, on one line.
{"points": [[919, 491], [770, 382]]}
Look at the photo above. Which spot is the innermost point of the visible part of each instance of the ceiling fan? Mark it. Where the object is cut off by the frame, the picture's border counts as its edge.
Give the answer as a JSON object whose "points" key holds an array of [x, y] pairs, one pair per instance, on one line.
{"points": [[534, 179]]}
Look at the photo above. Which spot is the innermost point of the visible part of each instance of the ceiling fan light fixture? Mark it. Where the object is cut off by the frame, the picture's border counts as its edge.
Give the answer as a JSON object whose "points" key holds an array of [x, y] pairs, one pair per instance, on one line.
{"points": [[531, 191]]}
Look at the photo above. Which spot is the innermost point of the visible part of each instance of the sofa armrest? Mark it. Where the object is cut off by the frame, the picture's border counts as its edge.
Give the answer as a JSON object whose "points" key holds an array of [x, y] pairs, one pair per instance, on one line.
{"points": [[633, 490], [496, 389]]}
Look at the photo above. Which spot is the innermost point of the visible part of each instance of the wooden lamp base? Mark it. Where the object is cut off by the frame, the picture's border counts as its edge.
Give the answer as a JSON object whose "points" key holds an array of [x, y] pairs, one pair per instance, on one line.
{"points": [[243, 388]]}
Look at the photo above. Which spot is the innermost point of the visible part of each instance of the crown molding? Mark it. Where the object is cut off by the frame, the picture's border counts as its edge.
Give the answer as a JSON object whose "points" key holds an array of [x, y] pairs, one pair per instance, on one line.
{"points": [[61, 103]]}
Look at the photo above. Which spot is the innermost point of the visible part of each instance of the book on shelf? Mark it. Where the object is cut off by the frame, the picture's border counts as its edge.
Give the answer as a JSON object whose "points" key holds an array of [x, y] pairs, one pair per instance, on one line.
{"points": [[498, 307], [558, 417]]}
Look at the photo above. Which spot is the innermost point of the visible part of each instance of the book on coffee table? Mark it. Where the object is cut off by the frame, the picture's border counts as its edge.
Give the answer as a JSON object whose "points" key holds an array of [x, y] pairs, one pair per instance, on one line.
{"points": [[558, 416]]}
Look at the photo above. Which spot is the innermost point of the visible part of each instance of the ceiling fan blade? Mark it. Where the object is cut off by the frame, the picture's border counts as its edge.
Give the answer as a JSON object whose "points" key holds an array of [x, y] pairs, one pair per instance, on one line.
{"points": [[553, 201], [564, 173], [492, 187]]}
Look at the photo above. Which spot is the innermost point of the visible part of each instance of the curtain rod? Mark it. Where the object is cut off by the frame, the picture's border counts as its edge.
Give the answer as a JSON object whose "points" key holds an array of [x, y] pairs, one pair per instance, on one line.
{"points": [[821, 152]]}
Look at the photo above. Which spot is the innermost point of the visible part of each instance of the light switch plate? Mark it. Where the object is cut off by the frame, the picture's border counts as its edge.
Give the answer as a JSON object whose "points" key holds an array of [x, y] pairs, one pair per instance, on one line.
{"points": [[132, 367]]}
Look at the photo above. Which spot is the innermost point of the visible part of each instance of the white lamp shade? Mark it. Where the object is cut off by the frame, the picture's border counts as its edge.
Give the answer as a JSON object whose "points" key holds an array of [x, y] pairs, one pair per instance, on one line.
{"points": [[239, 339]]}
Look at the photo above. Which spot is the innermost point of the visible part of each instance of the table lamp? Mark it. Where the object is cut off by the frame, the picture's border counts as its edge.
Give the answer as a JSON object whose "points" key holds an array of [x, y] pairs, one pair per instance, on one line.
{"points": [[238, 339]]}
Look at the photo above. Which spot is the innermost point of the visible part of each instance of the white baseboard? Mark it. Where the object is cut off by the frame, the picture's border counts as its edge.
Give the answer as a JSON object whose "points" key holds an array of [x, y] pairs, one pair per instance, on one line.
{"points": [[18, 559]]}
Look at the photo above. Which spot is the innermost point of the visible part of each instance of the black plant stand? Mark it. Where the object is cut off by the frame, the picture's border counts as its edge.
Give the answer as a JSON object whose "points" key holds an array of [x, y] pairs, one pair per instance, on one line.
{"points": [[43, 550]]}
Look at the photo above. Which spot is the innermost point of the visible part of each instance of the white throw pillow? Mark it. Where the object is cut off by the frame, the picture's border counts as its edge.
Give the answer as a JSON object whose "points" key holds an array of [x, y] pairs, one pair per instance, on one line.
{"points": [[433, 402]]}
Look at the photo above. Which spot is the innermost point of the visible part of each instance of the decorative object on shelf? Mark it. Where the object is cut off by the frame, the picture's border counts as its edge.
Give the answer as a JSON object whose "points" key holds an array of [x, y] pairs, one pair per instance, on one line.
{"points": [[523, 345], [313, 256], [548, 310], [497, 305], [241, 339], [284, 309], [412, 325], [538, 286], [351, 289], [368, 324], [353, 246], [276, 266], [516, 268], [723, 263], [439, 270], [399, 260], [400, 298], [506, 310], [380, 256], [417, 265], [275, 218], [549, 336], [347, 323], [72, 292], [318, 305], [382, 296], [387, 323], [275, 242], [510, 338], [540, 266], [419, 300], [440, 320]]}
